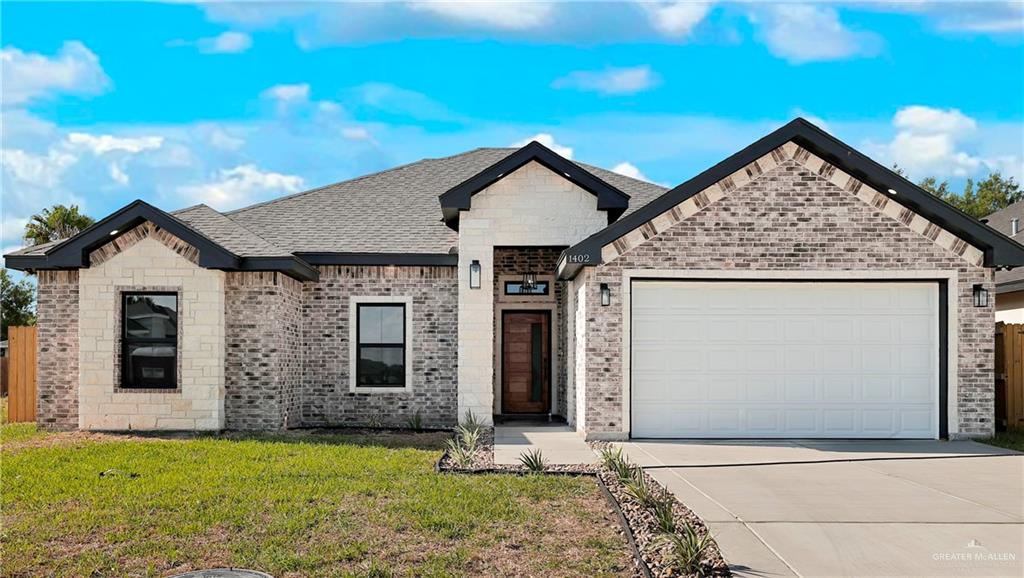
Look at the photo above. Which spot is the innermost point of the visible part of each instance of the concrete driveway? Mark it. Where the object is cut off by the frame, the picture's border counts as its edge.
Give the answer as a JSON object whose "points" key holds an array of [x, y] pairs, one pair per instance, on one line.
{"points": [[851, 508]]}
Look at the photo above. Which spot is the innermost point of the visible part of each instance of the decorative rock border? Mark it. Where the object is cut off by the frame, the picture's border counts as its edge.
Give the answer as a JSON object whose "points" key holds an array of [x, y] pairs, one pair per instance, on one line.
{"points": [[638, 525], [644, 529]]}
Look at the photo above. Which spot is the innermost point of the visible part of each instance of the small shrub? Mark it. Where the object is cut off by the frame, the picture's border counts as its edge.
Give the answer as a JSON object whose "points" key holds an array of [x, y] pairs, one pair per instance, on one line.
{"points": [[637, 486], [463, 456], [533, 460], [686, 548], [416, 421], [613, 460], [664, 514]]}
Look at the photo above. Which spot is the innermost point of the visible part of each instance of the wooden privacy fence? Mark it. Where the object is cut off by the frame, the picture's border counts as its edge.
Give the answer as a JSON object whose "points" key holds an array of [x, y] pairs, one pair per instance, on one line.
{"points": [[1010, 375], [21, 374]]}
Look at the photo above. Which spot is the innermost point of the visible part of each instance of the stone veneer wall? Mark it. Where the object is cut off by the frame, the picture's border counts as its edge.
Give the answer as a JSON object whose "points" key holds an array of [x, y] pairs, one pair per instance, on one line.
{"points": [[325, 396], [150, 259], [531, 206], [789, 219], [263, 359], [542, 261], [57, 350]]}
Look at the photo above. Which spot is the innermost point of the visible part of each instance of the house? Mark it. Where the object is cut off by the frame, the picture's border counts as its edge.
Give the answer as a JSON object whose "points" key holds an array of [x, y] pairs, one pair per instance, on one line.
{"points": [[1009, 284], [795, 289]]}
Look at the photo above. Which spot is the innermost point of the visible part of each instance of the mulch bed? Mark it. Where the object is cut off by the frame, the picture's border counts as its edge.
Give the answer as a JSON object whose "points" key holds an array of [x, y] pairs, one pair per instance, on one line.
{"points": [[640, 527]]}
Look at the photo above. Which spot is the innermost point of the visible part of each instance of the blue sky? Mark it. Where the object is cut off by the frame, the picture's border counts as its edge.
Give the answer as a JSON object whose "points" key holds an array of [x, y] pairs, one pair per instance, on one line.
{"points": [[234, 103]]}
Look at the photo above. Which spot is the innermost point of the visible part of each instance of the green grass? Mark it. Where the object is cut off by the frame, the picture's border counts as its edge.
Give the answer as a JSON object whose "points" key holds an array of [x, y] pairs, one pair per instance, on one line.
{"points": [[1012, 439], [290, 505]]}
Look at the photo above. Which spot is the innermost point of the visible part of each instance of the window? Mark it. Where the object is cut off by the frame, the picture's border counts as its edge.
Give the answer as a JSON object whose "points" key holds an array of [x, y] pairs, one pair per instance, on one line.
{"points": [[380, 348], [149, 340], [516, 288]]}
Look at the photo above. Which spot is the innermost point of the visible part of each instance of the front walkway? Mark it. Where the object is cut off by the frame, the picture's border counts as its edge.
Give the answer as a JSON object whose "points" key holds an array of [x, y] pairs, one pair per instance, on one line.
{"points": [[850, 508], [558, 443]]}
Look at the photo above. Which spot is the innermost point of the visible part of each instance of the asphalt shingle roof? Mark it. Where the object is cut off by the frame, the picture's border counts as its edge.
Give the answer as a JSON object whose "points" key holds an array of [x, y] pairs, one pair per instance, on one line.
{"points": [[393, 211], [1000, 221]]}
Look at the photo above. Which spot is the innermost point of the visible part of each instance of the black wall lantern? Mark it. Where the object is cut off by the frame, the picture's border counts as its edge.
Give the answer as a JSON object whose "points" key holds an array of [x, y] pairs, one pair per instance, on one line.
{"points": [[529, 282], [606, 295], [474, 274], [980, 296]]}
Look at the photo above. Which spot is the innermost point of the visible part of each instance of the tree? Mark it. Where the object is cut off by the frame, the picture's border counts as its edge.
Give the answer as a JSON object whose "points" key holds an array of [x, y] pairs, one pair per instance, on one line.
{"points": [[990, 195], [56, 223], [18, 301]]}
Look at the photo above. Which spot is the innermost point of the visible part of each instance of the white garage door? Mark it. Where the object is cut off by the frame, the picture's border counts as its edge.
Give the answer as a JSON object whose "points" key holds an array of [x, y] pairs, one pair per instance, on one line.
{"points": [[774, 359]]}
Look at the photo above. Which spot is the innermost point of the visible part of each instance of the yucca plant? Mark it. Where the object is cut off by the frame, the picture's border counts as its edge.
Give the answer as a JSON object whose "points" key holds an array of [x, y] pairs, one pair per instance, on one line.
{"points": [[533, 460], [686, 548], [664, 514], [613, 460], [637, 486], [416, 421], [471, 422], [468, 436], [463, 456]]}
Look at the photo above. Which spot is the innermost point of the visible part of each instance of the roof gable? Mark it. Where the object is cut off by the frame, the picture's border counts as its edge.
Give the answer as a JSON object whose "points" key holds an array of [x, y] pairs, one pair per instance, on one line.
{"points": [[459, 197], [74, 253], [997, 250]]}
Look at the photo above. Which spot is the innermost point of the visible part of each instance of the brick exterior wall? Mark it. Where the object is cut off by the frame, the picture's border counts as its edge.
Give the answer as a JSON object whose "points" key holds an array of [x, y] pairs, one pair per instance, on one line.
{"points": [[789, 219], [263, 359], [57, 350], [542, 261], [326, 399]]}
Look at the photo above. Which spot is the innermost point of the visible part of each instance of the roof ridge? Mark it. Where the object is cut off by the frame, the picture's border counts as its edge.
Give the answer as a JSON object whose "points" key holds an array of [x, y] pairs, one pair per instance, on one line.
{"points": [[352, 180]]}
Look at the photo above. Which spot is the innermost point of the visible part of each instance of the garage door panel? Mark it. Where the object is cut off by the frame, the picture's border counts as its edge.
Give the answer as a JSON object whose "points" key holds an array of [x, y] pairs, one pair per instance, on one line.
{"points": [[784, 359]]}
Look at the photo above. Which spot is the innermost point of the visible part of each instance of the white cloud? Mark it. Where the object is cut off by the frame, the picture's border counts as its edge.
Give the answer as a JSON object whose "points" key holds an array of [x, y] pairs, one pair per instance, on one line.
{"points": [[805, 33], [938, 142], [402, 101], [286, 93], [37, 170], [630, 170], [356, 133], [242, 185], [105, 143], [547, 140], [676, 18], [610, 81], [118, 175], [229, 42], [220, 139], [500, 14], [32, 76]]}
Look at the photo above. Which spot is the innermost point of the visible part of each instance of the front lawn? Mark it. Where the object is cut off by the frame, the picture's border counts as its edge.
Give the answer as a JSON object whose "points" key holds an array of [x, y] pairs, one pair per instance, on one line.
{"points": [[292, 505]]}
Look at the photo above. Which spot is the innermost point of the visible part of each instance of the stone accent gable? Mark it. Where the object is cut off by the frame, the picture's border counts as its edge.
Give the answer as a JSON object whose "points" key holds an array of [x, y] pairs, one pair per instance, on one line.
{"points": [[791, 219], [144, 231], [57, 350], [263, 357], [793, 153]]}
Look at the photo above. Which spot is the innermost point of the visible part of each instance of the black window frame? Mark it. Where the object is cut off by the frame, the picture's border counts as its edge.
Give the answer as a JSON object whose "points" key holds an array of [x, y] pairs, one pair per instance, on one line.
{"points": [[540, 283], [401, 346], [128, 340]]}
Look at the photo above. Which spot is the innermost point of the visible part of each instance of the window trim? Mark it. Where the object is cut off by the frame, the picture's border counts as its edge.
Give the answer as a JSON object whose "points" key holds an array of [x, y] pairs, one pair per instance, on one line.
{"points": [[545, 282], [354, 345], [122, 383]]}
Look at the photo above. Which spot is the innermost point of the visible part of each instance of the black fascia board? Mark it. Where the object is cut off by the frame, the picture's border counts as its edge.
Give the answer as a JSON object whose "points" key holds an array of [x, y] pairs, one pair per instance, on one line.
{"points": [[74, 252], [292, 266], [998, 249], [428, 259], [459, 197]]}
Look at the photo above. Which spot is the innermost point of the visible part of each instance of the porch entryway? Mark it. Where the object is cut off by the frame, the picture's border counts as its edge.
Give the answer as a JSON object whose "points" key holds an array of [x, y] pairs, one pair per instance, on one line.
{"points": [[526, 362]]}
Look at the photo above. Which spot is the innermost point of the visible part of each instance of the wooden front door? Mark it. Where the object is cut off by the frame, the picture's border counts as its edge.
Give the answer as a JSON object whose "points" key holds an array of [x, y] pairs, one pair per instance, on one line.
{"points": [[525, 362]]}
